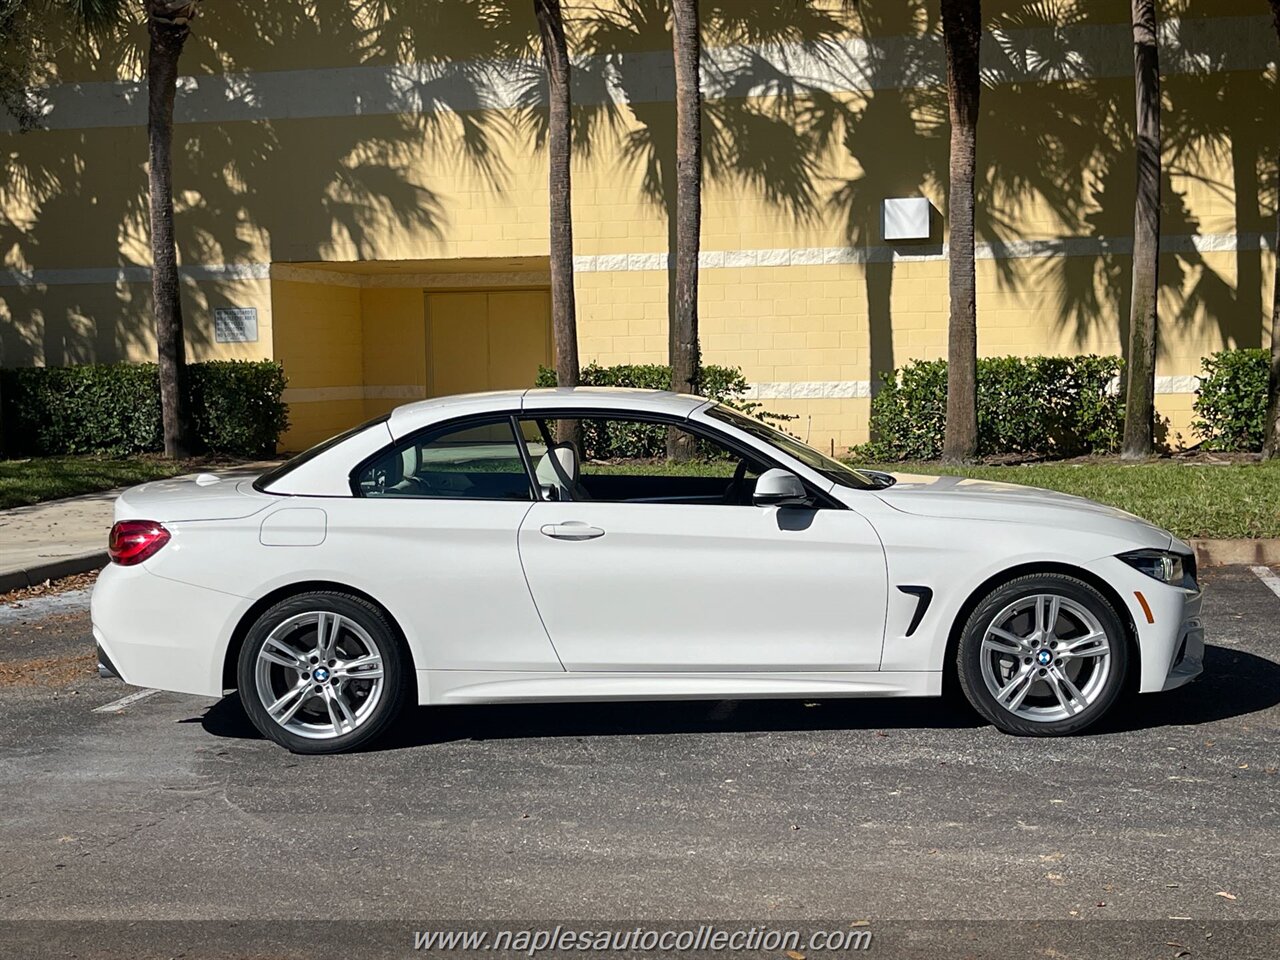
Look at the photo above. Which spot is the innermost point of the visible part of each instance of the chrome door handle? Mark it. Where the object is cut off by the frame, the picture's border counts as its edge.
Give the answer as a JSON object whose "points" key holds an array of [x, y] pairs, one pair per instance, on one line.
{"points": [[571, 530]]}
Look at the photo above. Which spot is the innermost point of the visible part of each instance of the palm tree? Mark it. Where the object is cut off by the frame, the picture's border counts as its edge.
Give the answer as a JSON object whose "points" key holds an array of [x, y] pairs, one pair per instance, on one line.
{"points": [[683, 329], [962, 37], [555, 56], [1271, 443], [168, 26], [1139, 409]]}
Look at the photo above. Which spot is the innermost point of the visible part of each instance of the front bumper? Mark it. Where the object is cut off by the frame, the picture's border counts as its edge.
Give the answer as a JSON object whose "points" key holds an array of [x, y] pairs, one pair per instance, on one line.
{"points": [[1169, 629], [1188, 655]]}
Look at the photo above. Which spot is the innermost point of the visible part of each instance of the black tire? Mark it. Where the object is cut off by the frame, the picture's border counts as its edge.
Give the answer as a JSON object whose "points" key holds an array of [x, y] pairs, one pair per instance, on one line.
{"points": [[378, 629], [969, 657]]}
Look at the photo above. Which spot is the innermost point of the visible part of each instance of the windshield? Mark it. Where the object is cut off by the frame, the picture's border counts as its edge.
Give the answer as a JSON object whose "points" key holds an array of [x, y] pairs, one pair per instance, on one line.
{"points": [[833, 470]]}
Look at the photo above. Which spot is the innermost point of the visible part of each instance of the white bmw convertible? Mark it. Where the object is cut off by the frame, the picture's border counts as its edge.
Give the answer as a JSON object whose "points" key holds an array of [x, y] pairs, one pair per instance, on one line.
{"points": [[463, 550]]}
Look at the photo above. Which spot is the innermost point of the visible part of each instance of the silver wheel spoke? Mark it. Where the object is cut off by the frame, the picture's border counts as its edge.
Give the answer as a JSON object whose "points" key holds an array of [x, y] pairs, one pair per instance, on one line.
{"points": [[361, 668], [344, 721], [1092, 645], [328, 626], [1071, 688], [1015, 691], [1072, 700], [278, 652], [293, 700], [1002, 641], [1047, 610]]}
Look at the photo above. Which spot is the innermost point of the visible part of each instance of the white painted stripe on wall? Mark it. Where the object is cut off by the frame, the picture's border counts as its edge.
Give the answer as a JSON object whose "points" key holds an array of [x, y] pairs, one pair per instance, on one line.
{"points": [[861, 389], [1052, 54], [1014, 250], [764, 390], [633, 262], [71, 276], [474, 278], [810, 390]]}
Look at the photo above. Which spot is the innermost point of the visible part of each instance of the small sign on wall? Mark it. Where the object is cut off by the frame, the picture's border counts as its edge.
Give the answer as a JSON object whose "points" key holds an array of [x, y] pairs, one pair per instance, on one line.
{"points": [[235, 324]]}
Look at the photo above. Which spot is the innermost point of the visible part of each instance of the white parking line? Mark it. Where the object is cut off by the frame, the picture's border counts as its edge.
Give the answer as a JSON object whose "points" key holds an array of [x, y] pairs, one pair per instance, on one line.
{"points": [[116, 706], [1268, 576]]}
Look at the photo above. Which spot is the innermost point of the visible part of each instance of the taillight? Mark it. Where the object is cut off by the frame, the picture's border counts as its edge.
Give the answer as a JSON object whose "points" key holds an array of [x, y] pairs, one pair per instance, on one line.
{"points": [[133, 541]]}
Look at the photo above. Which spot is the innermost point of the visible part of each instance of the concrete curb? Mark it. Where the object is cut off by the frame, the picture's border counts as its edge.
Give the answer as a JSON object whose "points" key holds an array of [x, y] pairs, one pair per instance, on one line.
{"points": [[1220, 553], [62, 567]]}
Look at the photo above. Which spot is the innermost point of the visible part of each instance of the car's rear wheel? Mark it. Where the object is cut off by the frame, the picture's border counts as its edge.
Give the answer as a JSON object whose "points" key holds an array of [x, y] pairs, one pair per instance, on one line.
{"points": [[322, 672], [1043, 655]]}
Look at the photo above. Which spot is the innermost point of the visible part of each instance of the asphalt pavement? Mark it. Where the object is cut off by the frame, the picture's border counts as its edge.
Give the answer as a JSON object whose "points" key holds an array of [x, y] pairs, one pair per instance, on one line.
{"points": [[167, 827]]}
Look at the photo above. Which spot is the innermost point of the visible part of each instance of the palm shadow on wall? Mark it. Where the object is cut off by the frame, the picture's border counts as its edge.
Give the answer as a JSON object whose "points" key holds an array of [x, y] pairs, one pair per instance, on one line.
{"points": [[328, 187]]}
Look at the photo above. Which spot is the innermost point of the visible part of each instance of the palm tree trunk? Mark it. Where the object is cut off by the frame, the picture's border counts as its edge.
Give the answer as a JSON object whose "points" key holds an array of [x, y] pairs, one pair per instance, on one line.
{"points": [[683, 329], [962, 37], [1271, 440], [167, 39], [1139, 409], [555, 56], [564, 315]]}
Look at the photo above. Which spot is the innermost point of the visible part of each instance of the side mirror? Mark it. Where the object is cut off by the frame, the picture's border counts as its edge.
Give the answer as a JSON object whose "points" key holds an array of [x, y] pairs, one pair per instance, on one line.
{"points": [[779, 488]]}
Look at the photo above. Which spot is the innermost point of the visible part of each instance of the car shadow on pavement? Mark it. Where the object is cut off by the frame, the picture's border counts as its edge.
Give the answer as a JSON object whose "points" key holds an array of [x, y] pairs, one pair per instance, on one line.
{"points": [[1235, 684]]}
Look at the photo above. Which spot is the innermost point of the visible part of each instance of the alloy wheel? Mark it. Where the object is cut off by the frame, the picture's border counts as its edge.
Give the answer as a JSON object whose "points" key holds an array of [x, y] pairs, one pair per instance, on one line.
{"points": [[319, 675], [1045, 657]]}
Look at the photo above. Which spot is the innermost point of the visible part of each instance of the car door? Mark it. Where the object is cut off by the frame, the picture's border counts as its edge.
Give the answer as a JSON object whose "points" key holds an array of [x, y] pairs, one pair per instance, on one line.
{"points": [[432, 531], [682, 584]]}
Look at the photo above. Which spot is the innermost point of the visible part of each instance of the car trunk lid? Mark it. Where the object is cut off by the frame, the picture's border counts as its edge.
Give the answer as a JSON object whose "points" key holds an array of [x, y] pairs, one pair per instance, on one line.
{"points": [[226, 495]]}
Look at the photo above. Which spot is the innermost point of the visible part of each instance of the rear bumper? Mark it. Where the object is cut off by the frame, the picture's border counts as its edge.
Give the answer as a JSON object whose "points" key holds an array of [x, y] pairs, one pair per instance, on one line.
{"points": [[106, 669], [155, 632]]}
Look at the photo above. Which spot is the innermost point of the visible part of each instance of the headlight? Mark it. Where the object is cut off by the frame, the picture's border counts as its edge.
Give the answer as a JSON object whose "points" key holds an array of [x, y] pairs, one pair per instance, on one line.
{"points": [[1163, 565]]}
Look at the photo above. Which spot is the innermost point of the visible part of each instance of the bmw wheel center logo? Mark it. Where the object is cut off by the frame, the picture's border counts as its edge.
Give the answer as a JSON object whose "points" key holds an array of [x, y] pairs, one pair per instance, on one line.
{"points": [[320, 674], [1044, 657]]}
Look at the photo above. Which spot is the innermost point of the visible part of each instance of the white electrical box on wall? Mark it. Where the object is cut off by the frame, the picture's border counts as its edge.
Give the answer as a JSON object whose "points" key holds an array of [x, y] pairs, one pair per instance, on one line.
{"points": [[906, 218]]}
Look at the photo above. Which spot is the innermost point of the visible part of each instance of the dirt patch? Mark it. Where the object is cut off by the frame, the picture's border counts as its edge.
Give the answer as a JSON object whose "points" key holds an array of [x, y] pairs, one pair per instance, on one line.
{"points": [[49, 671], [78, 581]]}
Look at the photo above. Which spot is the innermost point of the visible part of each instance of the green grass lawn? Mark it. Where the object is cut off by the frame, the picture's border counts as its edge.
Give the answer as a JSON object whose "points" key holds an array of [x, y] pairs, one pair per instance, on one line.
{"points": [[48, 478], [1188, 498]]}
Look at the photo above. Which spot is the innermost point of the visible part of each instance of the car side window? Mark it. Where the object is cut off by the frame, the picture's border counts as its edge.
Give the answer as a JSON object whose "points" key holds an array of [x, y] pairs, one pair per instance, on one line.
{"points": [[464, 462], [624, 459]]}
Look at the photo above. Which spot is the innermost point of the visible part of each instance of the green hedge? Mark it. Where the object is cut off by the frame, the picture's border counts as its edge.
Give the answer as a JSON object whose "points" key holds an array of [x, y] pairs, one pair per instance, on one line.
{"points": [[235, 408], [1045, 406], [618, 441], [1231, 401]]}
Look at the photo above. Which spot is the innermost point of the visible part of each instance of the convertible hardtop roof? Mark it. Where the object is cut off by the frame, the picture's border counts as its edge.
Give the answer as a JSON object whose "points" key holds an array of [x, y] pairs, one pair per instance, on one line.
{"points": [[412, 416]]}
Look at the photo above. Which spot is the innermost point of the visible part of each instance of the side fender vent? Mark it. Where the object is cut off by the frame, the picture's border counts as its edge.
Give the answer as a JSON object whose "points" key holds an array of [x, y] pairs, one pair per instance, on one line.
{"points": [[924, 596]]}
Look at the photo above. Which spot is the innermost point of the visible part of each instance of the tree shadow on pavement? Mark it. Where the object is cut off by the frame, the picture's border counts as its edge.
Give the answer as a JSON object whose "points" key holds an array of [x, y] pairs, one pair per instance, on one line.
{"points": [[1235, 684]]}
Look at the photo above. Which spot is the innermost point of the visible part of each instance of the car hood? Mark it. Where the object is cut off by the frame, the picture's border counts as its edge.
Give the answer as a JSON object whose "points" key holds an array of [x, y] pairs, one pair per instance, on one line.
{"points": [[205, 496], [964, 499]]}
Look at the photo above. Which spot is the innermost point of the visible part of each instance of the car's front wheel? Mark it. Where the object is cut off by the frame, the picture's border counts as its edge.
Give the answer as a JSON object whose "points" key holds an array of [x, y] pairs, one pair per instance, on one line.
{"points": [[1043, 655], [322, 672]]}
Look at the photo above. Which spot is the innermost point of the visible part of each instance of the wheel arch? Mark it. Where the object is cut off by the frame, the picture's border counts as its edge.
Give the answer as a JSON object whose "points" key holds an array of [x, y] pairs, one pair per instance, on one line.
{"points": [[950, 678], [266, 602]]}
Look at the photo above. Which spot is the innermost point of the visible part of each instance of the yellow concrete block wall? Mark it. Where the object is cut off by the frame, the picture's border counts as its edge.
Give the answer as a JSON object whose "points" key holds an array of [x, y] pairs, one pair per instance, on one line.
{"points": [[318, 338], [394, 346], [322, 169]]}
